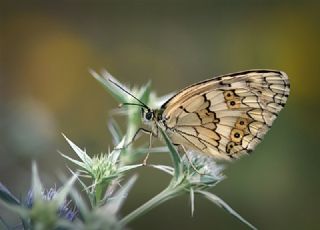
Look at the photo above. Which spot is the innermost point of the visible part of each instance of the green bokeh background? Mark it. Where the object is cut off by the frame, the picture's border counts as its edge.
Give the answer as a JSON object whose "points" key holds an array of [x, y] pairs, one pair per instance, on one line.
{"points": [[45, 89]]}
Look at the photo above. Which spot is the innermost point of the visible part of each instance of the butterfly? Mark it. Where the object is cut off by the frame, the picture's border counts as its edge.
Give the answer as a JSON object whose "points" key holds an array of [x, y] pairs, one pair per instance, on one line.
{"points": [[224, 117]]}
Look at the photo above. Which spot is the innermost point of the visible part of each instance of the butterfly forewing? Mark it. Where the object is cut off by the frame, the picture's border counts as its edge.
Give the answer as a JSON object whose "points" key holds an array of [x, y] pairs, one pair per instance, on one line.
{"points": [[227, 116]]}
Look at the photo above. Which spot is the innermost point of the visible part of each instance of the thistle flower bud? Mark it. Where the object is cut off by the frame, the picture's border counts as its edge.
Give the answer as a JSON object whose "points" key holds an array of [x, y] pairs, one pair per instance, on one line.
{"points": [[201, 171]]}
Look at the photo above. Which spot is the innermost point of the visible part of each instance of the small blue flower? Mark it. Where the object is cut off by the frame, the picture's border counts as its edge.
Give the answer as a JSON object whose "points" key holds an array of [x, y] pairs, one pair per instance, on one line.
{"points": [[64, 211], [41, 209]]}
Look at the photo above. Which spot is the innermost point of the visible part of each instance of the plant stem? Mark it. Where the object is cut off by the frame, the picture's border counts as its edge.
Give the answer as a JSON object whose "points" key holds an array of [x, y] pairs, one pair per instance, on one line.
{"points": [[163, 196], [98, 194]]}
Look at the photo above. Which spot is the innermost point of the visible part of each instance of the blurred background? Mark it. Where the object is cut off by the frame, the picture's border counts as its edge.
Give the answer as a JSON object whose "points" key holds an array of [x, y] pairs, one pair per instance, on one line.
{"points": [[46, 49]]}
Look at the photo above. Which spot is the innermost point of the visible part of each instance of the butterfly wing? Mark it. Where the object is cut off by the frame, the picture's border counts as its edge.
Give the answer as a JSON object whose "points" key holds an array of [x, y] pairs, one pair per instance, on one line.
{"points": [[227, 116]]}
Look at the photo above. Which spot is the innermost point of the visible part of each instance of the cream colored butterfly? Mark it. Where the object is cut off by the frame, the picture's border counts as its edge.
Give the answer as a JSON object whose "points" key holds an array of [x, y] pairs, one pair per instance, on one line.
{"points": [[224, 117]]}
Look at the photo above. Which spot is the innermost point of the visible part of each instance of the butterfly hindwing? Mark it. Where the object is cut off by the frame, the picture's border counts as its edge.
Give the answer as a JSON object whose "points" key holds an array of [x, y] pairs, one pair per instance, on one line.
{"points": [[226, 116]]}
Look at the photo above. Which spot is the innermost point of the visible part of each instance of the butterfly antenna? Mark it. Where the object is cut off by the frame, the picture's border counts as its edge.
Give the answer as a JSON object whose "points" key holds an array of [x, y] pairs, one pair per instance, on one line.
{"points": [[120, 87], [130, 104]]}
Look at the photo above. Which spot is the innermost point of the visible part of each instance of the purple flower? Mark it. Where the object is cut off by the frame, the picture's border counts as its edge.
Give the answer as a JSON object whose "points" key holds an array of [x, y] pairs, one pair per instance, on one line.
{"points": [[64, 211]]}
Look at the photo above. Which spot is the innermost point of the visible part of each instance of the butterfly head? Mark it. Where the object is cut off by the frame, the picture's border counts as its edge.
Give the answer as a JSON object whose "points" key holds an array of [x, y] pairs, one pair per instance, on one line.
{"points": [[147, 115]]}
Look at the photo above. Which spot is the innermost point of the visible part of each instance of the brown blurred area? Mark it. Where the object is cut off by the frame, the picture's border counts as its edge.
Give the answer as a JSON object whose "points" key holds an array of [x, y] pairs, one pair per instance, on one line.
{"points": [[47, 47]]}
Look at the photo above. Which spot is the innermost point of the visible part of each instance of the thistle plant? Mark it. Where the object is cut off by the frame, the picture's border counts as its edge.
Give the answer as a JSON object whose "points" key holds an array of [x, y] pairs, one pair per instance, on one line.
{"points": [[104, 181], [104, 170], [41, 209], [193, 173]]}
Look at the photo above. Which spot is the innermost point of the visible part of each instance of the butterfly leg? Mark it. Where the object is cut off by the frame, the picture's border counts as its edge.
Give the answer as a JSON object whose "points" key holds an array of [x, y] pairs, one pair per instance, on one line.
{"points": [[151, 134], [135, 136], [147, 156]]}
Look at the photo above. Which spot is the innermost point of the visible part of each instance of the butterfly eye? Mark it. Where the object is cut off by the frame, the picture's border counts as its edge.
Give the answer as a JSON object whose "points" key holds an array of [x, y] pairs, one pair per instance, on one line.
{"points": [[149, 115]]}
